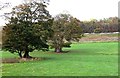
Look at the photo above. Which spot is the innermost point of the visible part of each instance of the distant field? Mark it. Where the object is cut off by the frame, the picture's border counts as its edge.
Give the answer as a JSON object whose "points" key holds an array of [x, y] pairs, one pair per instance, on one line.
{"points": [[100, 37], [83, 59]]}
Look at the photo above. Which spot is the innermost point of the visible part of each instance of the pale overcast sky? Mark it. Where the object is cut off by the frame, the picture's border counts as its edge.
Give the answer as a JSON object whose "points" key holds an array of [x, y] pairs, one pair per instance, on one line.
{"points": [[81, 9]]}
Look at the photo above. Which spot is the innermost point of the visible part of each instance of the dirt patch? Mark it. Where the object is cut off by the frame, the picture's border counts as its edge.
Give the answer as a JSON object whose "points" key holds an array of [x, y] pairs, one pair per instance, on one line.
{"points": [[10, 60], [19, 60]]}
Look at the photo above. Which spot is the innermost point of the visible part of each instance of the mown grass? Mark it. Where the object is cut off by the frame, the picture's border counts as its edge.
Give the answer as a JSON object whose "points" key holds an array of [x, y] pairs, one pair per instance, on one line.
{"points": [[83, 59]]}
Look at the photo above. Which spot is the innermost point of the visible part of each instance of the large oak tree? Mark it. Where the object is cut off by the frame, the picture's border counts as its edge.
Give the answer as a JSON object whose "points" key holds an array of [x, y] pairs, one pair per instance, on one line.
{"points": [[28, 29]]}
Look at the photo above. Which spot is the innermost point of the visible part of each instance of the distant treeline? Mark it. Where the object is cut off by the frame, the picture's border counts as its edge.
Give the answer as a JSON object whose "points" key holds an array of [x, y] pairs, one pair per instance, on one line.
{"points": [[100, 26]]}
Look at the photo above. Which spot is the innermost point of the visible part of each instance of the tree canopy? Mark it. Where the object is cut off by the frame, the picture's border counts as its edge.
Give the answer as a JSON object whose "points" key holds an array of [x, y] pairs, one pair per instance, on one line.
{"points": [[105, 25], [65, 28]]}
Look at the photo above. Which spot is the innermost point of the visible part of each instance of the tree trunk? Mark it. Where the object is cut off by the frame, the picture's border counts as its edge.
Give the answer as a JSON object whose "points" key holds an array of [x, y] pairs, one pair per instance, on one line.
{"points": [[20, 54], [26, 55], [58, 49]]}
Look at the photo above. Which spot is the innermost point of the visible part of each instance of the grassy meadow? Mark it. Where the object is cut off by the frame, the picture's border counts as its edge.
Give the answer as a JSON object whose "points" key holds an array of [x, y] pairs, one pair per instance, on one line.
{"points": [[82, 59]]}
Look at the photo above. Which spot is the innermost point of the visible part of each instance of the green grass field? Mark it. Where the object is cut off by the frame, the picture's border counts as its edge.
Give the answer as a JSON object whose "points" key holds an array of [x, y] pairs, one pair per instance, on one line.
{"points": [[83, 59]]}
